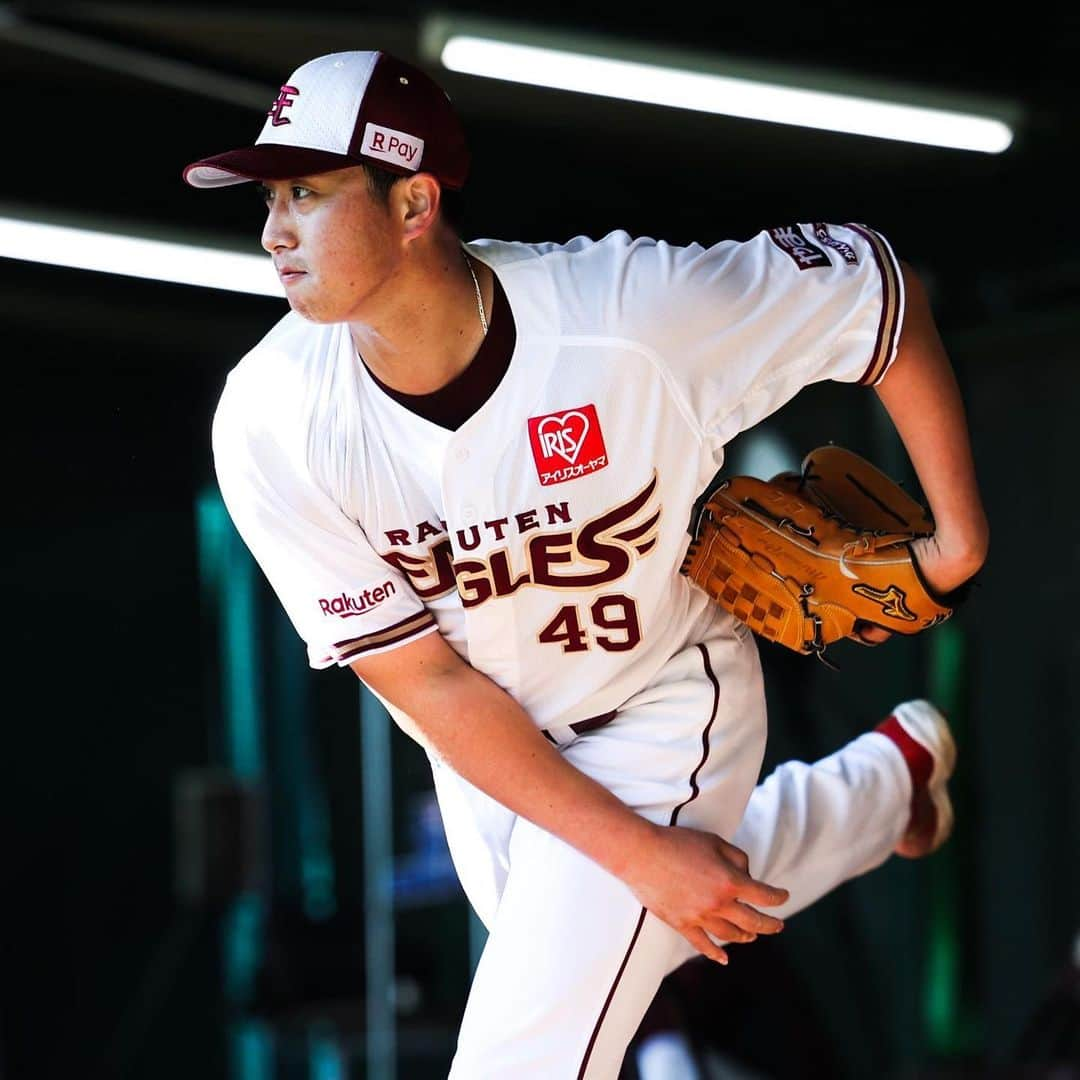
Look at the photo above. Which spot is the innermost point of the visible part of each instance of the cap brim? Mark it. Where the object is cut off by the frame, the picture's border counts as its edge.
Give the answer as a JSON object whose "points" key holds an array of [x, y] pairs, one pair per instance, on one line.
{"points": [[266, 162]]}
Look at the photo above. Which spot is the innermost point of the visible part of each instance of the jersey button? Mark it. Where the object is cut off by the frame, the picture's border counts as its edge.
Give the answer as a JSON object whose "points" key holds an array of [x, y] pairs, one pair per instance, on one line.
{"points": [[462, 454], [468, 514]]}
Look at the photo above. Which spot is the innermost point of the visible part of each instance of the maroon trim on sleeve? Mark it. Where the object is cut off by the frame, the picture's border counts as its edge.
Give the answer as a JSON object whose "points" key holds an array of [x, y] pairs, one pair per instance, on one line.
{"points": [[889, 322], [451, 405], [674, 819], [390, 635]]}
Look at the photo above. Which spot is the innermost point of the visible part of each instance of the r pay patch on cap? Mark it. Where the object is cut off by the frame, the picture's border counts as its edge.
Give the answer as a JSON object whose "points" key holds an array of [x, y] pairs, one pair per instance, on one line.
{"points": [[396, 147]]}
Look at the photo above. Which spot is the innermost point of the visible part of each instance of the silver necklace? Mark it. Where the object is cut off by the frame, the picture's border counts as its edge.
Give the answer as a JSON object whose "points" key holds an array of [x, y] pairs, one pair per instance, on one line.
{"points": [[479, 298]]}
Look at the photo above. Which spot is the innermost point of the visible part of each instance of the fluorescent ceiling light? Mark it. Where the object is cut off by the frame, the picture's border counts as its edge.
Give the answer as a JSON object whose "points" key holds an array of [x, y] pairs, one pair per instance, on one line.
{"points": [[134, 256], [733, 89]]}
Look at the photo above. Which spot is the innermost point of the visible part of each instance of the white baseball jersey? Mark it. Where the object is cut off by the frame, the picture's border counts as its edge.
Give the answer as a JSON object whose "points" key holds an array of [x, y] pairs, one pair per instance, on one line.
{"points": [[543, 539]]}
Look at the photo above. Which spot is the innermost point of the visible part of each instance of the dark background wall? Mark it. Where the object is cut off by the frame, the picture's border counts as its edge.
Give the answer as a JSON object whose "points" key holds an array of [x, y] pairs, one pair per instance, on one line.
{"points": [[118, 678]]}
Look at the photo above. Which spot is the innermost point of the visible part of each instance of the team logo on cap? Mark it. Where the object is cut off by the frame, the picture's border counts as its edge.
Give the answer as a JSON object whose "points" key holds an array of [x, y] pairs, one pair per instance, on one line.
{"points": [[282, 101], [567, 445]]}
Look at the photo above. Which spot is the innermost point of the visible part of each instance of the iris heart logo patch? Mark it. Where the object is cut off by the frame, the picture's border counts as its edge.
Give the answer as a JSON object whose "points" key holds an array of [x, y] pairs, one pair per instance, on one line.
{"points": [[567, 445], [563, 435]]}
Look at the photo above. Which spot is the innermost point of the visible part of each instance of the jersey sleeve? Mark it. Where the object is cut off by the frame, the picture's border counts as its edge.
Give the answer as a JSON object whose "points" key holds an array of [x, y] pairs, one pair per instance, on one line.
{"points": [[741, 327], [342, 598]]}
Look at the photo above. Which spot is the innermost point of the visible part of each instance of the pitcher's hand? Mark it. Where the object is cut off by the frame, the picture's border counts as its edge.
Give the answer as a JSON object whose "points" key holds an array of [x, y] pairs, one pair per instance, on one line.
{"points": [[945, 564], [699, 884]]}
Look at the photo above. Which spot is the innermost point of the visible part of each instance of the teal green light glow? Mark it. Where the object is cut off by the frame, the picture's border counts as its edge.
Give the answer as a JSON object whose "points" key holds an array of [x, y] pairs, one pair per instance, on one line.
{"points": [[229, 579], [251, 1052], [947, 1023]]}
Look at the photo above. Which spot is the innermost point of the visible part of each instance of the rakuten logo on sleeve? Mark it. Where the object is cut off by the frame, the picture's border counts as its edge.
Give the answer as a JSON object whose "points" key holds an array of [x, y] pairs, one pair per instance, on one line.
{"points": [[348, 604]]}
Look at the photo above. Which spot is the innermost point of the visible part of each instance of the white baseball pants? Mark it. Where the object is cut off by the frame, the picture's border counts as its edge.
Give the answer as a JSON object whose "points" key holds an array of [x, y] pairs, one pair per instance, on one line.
{"points": [[572, 960]]}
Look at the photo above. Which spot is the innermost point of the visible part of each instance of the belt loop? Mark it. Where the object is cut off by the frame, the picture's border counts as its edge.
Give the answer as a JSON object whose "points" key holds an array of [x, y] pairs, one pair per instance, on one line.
{"points": [[559, 734]]}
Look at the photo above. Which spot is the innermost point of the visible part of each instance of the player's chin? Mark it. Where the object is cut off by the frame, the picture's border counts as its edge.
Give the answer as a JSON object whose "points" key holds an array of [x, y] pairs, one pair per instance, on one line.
{"points": [[300, 308], [309, 308]]}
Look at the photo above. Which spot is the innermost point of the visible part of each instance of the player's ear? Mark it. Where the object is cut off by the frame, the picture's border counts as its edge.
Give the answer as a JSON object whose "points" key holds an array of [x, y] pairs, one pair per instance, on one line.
{"points": [[418, 200]]}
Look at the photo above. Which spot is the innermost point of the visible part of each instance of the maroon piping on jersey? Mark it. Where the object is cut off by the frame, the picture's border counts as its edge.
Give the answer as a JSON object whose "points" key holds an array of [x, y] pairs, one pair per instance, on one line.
{"points": [[674, 820], [877, 245]]}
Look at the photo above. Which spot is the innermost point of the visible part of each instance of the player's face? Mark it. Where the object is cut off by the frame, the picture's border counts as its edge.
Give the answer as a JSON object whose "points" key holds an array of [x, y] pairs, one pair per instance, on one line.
{"points": [[332, 243]]}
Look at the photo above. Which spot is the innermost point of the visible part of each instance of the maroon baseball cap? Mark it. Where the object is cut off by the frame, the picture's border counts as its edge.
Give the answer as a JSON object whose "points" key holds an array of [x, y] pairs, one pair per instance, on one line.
{"points": [[346, 109]]}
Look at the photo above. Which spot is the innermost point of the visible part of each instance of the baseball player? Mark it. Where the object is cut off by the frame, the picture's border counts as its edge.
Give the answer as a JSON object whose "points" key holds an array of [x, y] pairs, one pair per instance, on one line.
{"points": [[467, 470]]}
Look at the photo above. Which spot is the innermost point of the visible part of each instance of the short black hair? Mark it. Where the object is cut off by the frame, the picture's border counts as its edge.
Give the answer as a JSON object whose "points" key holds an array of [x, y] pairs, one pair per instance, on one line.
{"points": [[380, 181]]}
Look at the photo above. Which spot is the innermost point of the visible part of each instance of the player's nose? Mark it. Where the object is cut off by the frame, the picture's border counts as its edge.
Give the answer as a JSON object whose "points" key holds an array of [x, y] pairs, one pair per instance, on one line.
{"points": [[277, 234]]}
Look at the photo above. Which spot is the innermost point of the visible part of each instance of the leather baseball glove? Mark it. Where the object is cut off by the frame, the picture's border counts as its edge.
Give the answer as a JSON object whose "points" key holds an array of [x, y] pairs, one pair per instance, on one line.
{"points": [[808, 558]]}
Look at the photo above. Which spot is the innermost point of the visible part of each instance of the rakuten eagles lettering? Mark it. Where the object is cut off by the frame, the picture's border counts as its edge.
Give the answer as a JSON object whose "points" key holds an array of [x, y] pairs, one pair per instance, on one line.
{"points": [[346, 604], [600, 552]]}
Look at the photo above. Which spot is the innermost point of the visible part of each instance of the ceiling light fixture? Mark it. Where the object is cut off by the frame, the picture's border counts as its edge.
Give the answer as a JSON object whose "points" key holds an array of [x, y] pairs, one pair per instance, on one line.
{"points": [[710, 84], [135, 256]]}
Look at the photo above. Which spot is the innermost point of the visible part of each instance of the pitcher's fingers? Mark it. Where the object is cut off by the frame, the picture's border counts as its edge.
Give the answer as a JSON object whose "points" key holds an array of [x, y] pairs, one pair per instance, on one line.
{"points": [[705, 945], [870, 634], [726, 931], [752, 891], [750, 919], [735, 855]]}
